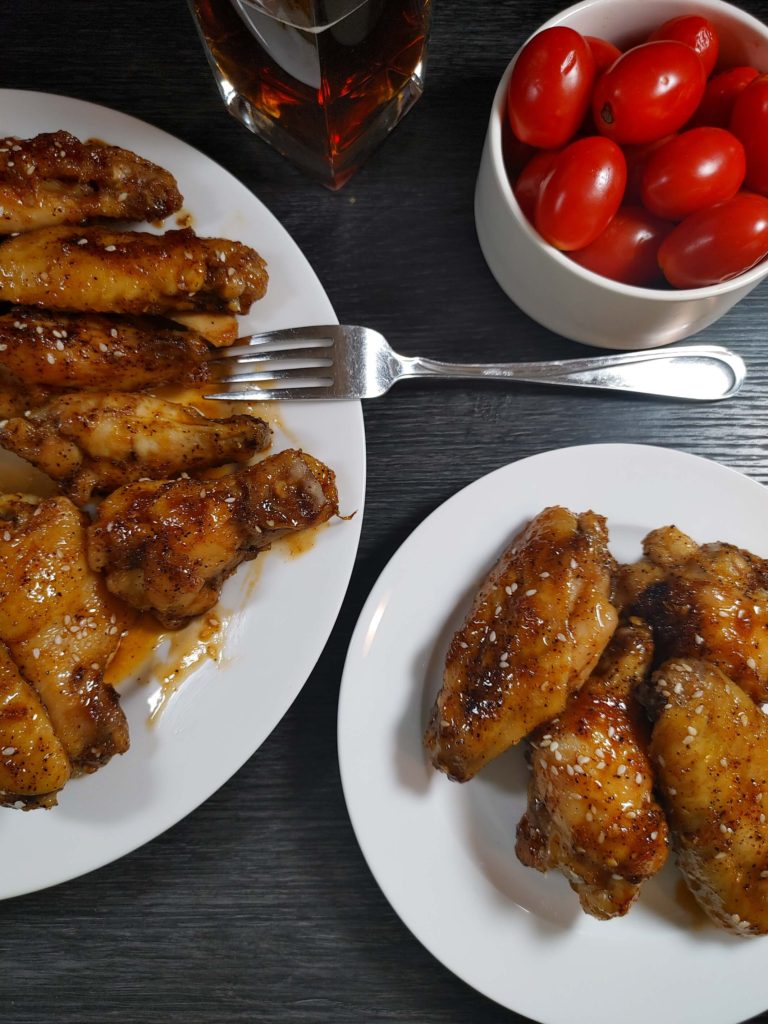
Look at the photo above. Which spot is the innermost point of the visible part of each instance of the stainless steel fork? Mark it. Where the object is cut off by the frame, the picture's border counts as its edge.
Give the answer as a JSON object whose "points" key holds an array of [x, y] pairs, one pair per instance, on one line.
{"points": [[338, 362]]}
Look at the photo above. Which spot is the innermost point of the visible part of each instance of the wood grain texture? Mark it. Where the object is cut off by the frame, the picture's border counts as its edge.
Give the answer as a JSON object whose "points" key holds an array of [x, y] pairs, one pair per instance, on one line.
{"points": [[259, 907]]}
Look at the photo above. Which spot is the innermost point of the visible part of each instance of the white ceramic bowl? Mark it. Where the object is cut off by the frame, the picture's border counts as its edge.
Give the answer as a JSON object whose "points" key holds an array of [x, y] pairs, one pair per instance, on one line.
{"points": [[549, 286]]}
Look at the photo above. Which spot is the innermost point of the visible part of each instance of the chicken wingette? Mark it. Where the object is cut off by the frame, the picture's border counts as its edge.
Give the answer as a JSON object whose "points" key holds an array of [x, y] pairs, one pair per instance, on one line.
{"points": [[167, 547], [710, 754], [55, 178], [94, 442], [102, 270], [61, 625], [707, 602], [534, 634], [33, 764], [591, 808], [105, 353]]}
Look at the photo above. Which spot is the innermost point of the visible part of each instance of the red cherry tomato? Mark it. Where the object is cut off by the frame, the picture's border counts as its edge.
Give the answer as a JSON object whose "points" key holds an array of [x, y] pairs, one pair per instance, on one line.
{"points": [[637, 158], [649, 92], [581, 193], [550, 86], [605, 53], [720, 95], [694, 31], [627, 250], [692, 170], [749, 122], [528, 184], [718, 243], [516, 153]]}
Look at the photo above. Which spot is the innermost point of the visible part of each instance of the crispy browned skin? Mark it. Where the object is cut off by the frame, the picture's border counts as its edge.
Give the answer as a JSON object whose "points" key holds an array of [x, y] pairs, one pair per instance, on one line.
{"points": [[535, 632], [664, 550], [97, 441], [710, 754], [33, 763], [100, 270], [16, 398], [168, 547], [706, 602], [56, 179], [88, 351], [591, 810], [60, 625]]}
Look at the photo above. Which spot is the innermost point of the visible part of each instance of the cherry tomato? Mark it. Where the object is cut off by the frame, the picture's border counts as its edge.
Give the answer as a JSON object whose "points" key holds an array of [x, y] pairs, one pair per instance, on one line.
{"points": [[692, 170], [581, 193], [528, 184], [627, 250], [720, 95], [694, 31], [550, 86], [516, 153], [637, 158], [718, 243], [605, 53], [649, 92], [749, 122]]}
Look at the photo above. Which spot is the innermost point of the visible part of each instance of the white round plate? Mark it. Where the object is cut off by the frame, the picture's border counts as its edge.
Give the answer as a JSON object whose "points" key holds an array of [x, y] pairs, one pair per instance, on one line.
{"points": [[281, 609], [443, 853]]}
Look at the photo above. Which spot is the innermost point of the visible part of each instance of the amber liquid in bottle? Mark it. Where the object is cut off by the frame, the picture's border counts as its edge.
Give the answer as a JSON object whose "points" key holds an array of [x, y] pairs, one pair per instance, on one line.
{"points": [[324, 97]]}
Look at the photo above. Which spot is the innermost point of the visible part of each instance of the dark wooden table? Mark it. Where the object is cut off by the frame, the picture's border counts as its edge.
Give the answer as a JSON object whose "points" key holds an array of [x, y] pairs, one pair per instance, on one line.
{"points": [[259, 906]]}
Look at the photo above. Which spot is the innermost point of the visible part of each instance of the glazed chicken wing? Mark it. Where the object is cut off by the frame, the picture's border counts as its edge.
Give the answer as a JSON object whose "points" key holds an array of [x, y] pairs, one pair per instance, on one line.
{"points": [[33, 764], [96, 441], [60, 625], [591, 810], [535, 632], [168, 547], [88, 351], [706, 602], [56, 179], [710, 754], [100, 270]]}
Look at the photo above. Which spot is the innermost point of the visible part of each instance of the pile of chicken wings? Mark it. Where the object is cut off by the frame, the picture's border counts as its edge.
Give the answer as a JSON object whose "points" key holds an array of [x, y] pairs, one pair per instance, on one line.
{"points": [[637, 690], [95, 319]]}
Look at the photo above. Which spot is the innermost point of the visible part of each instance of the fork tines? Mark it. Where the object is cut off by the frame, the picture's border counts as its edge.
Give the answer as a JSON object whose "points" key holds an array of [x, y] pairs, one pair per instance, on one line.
{"points": [[297, 371]]}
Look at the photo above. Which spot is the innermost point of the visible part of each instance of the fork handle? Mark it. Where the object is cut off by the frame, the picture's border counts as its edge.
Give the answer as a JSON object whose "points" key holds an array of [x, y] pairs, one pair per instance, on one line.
{"points": [[693, 372]]}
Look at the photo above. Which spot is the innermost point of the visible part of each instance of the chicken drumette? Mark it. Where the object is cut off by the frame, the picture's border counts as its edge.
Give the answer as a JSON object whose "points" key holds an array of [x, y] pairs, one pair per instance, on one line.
{"points": [[56, 179], [707, 602], [591, 810], [534, 634], [96, 442], [168, 547]]}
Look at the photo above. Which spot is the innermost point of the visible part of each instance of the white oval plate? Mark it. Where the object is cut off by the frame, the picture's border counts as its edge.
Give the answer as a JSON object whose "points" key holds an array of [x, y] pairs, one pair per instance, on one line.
{"points": [[277, 627], [443, 853]]}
